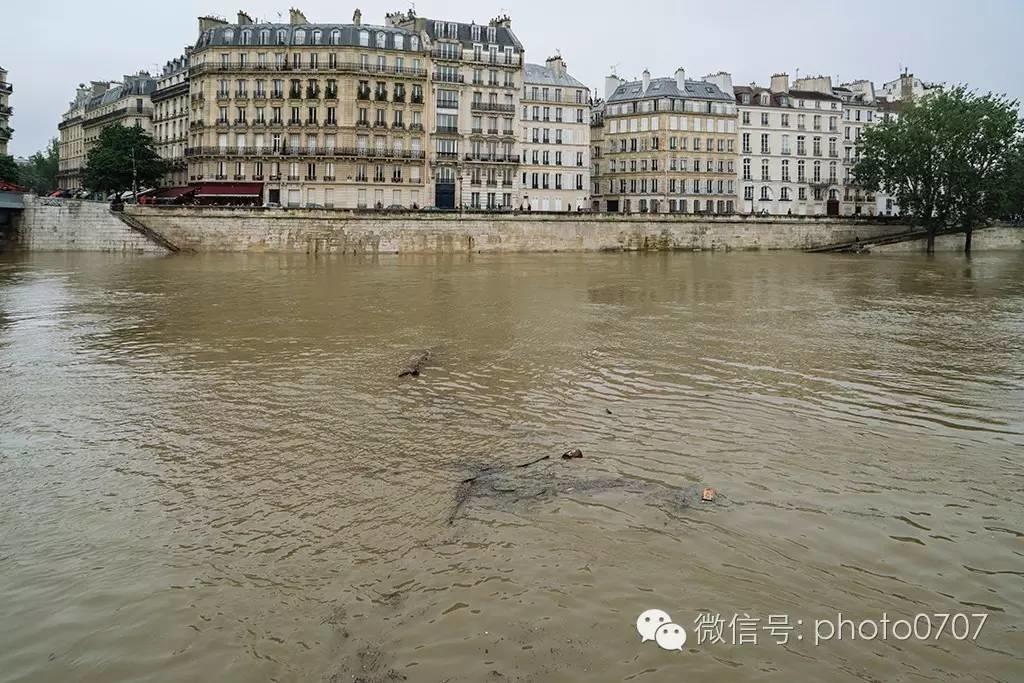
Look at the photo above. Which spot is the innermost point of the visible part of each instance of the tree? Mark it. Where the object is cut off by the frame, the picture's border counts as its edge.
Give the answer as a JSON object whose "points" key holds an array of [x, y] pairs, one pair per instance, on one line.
{"points": [[944, 159], [1012, 200], [9, 170], [39, 173], [121, 159]]}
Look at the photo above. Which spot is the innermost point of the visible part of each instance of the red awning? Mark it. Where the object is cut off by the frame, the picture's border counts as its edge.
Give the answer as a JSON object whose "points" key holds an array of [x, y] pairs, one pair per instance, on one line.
{"points": [[172, 192], [11, 187], [230, 190]]}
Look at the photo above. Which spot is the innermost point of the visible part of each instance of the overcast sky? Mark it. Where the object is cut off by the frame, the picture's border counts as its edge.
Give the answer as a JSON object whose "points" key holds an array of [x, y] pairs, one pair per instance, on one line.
{"points": [[49, 47]]}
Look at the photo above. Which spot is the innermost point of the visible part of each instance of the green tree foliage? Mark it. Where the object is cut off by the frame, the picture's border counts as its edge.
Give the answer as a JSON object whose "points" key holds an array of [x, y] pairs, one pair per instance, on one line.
{"points": [[110, 163], [40, 172], [945, 159], [1012, 204], [9, 170]]}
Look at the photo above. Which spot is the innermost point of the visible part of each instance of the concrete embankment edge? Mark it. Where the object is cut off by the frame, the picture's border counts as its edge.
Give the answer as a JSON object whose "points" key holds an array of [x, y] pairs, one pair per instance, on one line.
{"points": [[317, 231]]}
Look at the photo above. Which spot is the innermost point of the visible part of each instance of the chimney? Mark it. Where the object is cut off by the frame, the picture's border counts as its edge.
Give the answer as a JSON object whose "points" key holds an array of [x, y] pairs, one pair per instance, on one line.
{"points": [[206, 23], [646, 81], [557, 64], [780, 83], [244, 19], [723, 79], [357, 17], [296, 17], [611, 83], [681, 79]]}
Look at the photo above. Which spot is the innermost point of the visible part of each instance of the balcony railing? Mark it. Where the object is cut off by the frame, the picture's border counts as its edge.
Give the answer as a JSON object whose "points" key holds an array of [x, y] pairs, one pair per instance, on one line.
{"points": [[447, 129], [416, 99], [285, 151], [340, 67], [363, 94], [448, 78], [499, 108], [498, 157]]}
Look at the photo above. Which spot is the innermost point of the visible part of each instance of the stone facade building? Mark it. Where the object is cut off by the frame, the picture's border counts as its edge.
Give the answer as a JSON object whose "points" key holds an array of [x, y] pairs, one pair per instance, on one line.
{"points": [[322, 114], [170, 118], [555, 139], [596, 152], [669, 145], [5, 112], [96, 106], [475, 81]]}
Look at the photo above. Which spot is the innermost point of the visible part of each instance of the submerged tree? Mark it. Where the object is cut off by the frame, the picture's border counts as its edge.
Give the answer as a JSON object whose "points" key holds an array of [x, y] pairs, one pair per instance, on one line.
{"points": [[121, 159], [944, 159]]}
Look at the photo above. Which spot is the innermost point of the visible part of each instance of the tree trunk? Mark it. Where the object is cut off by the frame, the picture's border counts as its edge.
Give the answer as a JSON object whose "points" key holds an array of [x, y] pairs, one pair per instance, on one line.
{"points": [[968, 232], [930, 248]]}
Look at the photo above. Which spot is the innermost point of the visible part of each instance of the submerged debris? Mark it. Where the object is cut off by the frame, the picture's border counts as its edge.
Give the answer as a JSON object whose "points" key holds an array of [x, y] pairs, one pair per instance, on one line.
{"points": [[415, 363], [544, 478]]}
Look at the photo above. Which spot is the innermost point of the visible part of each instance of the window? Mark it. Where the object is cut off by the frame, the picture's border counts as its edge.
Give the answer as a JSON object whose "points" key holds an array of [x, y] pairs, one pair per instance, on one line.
{"points": [[381, 39], [764, 170], [746, 168], [364, 38]]}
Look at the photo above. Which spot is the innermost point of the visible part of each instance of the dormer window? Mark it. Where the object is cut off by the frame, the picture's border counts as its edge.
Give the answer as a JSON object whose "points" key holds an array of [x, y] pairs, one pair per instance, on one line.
{"points": [[282, 37], [492, 34], [364, 38], [414, 43], [453, 30], [229, 35], [300, 36], [399, 41], [381, 39], [264, 37], [317, 36], [335, 37], [745, 98], [439, 29], [764, 99], [246, 37], [476, 33]]}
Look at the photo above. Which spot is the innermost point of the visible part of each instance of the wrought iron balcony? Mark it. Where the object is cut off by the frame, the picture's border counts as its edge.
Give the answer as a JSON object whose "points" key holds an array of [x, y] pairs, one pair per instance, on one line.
{"points": [[448, 78], [499, 108], [499, 157]]}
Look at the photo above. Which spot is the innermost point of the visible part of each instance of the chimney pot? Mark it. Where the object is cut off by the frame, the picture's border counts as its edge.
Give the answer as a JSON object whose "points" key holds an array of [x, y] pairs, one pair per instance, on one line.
{"points": [[646, 80]]}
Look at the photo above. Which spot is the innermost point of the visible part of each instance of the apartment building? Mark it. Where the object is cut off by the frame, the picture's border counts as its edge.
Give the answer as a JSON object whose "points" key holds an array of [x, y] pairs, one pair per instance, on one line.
{"points": [[789, 143], [71, 139], [170, 118], [555, 139], [5, 112], [475, 80], [908, 87], [669, 145], [306, 114], [94, 108], [596, 151], [860, 111]]}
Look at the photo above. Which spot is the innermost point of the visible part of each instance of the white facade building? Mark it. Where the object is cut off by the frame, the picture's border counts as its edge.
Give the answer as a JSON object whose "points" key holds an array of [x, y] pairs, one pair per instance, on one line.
{"points": [[789, 147], [555, 139]]}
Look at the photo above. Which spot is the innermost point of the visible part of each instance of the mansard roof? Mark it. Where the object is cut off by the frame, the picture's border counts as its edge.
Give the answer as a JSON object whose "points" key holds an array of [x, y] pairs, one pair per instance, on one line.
{"points": [[269, 35], [666, 87], [540, 74]]}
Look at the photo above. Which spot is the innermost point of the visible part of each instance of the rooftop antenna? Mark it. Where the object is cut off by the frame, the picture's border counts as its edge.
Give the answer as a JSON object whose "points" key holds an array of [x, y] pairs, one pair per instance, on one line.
{"points": [[614, 69]]}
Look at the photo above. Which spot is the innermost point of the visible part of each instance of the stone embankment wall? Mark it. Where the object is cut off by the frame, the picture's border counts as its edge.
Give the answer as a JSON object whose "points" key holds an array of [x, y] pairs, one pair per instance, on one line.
{"points": [[49, 224], [325, 231], [996, 238]]}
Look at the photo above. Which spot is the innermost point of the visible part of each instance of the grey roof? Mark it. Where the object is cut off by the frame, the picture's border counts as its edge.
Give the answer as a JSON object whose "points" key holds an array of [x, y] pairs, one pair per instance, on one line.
{"points": [[133, 86], [303, 34], [666, 87], [503, 35], [539, 74]]}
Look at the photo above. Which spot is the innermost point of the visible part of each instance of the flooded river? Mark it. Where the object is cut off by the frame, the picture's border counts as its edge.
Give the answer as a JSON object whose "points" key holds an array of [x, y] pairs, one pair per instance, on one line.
{"points": [[210, 470]]}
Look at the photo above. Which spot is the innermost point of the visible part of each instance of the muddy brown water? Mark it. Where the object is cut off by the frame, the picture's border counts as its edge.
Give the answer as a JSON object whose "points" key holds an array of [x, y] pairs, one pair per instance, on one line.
{"points": [[209, 469]]}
